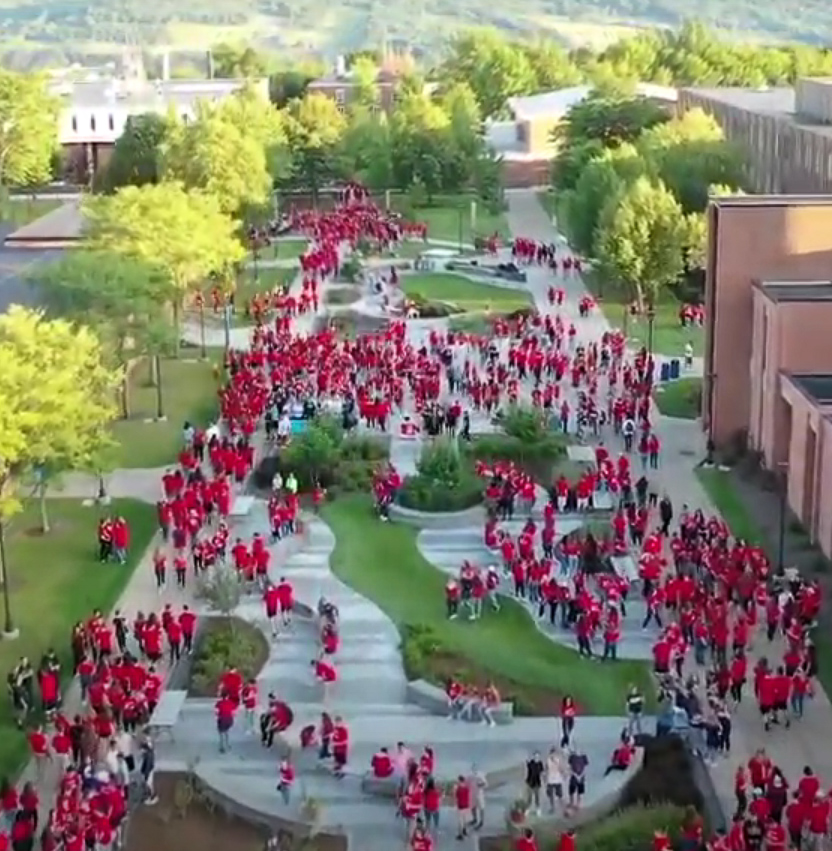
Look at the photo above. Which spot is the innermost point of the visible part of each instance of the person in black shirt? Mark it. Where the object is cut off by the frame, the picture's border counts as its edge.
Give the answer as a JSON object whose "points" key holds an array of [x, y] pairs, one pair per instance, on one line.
{"points": [[534, 780]]}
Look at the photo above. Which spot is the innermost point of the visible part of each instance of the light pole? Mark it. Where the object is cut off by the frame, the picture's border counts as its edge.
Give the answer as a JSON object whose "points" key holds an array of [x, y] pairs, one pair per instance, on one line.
{"points": [[651, 319], [783, 468], [9, 630], [460, 229], [160, 408], [203, 350]]}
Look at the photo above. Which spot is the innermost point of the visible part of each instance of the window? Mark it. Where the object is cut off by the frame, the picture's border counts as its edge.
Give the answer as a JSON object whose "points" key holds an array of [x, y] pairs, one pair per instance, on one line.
{"points": [[111, 123], [74, 123], [92, 123]]}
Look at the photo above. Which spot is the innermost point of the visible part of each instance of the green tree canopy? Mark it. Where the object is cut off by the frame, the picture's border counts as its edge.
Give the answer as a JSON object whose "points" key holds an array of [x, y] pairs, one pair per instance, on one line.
{"points": [[642, 239], [220, 158], [184, 231], [136, 154], [28, 129], [366, 149], [315, 129], [234, 61], [56, 398]]}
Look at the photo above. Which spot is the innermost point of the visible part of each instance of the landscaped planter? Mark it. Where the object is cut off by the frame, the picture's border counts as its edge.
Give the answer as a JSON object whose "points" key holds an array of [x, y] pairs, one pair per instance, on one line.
{"points": [[437, 519]]}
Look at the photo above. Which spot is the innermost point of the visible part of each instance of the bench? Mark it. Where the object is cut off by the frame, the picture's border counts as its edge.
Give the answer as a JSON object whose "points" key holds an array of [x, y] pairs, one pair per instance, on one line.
{"points": [[381, 787], [432, 698], [625, 566], [166, 714]]}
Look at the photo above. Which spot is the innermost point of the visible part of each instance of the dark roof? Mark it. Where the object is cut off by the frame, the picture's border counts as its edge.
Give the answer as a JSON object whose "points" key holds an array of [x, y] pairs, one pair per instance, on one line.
{"points": [[818, 386], [798, 291]]}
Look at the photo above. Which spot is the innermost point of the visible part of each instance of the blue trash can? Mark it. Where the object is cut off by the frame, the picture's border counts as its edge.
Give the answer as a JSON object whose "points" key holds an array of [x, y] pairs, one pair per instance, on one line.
{"points": [[664, 371], [675, 369], [299, 426]]}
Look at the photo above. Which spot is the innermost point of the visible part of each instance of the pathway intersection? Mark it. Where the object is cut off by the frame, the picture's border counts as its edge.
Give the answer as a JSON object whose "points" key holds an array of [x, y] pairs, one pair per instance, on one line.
{"points": [[370, 693]]}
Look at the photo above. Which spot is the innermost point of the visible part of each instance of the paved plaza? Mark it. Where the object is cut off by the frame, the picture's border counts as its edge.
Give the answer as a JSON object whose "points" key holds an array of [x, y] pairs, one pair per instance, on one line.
{"points": [[371, 691]]}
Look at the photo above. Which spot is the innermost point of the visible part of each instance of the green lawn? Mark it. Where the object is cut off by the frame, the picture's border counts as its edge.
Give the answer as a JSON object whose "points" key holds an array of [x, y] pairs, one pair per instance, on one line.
{"points": [[449, 218], [681, 398], [468, 295], [189, 392], [19, 213], [55, 581], [380, 561], [669, 337]]}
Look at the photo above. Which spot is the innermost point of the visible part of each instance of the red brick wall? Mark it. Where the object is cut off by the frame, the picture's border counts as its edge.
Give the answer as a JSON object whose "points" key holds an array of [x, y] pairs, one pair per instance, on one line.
{"points": [[521, 174]]}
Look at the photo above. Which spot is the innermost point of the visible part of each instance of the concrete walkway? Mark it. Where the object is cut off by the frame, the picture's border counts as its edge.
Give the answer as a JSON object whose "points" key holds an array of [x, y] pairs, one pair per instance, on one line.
{"points": [[809, 741]]}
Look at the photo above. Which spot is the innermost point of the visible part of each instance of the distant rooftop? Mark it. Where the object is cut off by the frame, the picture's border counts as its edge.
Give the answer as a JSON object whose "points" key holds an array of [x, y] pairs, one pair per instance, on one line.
{"points": [[818, 386], [797, 291], [557, 103], [60, 227], [139, 94], [752, 100]]}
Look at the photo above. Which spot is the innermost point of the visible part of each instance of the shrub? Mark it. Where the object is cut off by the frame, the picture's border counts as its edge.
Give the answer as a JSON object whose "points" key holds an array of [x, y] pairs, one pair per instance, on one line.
{"points": [[632, 829], [429, 309], [666, 776], [323, 453], [351, 269], [445, 480], [419, 643], [223, 644]]}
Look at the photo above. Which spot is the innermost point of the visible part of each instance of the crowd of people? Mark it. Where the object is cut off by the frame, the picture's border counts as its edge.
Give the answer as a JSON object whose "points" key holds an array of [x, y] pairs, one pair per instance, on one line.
{"points": [[707, 594]]}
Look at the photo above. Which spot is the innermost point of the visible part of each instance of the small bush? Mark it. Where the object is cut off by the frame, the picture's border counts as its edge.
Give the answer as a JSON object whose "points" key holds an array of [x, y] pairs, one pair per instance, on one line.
{"points": [[632, 829], [342, 295], [419, 643], [226, 643], [351, 269], [445, 480], [433, 309]]}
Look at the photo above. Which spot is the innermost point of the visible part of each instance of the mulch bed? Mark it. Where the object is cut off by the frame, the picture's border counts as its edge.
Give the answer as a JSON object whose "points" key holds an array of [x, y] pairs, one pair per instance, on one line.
{"points": [[165, 827]]}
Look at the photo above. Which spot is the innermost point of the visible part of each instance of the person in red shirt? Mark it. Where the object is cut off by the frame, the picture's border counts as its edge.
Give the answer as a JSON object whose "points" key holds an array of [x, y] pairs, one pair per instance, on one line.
{"points": [[462, 797], [421, 840], [187, 621], [340, 746], [432, 805], [325, 673], [382, 764], [39, 745], [225, 710], [526, 841], [797, 813], [286, 780], [819, 821]]}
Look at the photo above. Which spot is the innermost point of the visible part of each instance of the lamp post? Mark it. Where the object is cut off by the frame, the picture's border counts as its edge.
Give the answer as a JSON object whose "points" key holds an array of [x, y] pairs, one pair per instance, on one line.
{"points": [[651, 319], [226, 322], [203, 353], [254, 253], [783, 468], [9, 630], [460, 229], [160, 407]]}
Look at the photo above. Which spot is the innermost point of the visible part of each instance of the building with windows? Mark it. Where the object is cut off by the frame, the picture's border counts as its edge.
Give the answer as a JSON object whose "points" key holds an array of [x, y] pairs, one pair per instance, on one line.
{"points": [[786, 134], [341, 87], [95, 109], [525, 141], [768, 350]]}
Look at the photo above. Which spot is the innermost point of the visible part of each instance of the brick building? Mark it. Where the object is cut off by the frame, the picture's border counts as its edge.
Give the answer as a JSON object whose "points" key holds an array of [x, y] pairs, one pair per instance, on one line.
{"points": [[768, 350], [342, 88], [786, 134]]}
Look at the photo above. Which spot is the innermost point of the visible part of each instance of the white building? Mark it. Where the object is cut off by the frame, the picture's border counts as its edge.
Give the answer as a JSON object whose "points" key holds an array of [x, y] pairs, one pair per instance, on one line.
{"points": [[96, 108]]}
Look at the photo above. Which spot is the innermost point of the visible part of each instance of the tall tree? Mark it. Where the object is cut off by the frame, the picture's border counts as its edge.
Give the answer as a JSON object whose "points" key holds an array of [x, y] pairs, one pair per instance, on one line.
{"points": [[601, 180], [122, 298], [219, 158], [56, 399], [552, 67], [237, 62], [250, 112], [28, 129], [315, 128], [643, 238], [184, 231], [495, 68], [364, 78], [610, 120], [136, 153], [366, 149]]}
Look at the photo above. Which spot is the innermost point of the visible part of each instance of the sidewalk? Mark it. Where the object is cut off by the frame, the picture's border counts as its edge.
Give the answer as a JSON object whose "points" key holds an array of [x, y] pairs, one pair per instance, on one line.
{"points": [[809, 741]]}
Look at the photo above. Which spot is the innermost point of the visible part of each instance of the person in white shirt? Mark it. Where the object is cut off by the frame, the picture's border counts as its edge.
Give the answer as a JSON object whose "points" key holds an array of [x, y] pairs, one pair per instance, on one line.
{"points": [[554, 779], [479, 784], [688, 355], [284, 427]]}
